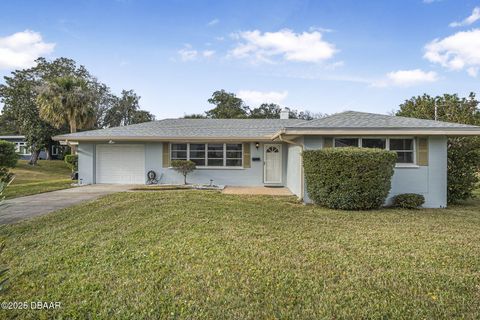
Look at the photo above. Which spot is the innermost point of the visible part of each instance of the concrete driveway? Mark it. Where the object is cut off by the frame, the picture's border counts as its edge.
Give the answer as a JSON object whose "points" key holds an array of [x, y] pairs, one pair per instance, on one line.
{"points": [[17, 209]]}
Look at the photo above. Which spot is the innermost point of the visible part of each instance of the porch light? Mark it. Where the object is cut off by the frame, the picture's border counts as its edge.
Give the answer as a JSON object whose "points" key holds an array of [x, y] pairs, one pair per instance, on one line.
{"points": [[257, 145], [111, 142]]}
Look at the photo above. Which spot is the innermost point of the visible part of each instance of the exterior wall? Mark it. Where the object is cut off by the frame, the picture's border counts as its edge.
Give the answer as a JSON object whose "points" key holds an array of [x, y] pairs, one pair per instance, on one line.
{"points": [[252, 176], [294, 168], [86, 163], [429, 181]]}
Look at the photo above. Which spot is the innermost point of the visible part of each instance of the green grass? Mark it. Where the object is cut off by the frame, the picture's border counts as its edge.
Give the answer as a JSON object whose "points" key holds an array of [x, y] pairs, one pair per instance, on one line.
{"points": [[206, 255], [48, 175]]}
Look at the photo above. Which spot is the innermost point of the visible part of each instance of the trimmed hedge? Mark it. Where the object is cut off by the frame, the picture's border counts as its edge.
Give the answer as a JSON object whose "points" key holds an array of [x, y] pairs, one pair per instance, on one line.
{"points": [[408, 200], [8, 156], [349, 178]]}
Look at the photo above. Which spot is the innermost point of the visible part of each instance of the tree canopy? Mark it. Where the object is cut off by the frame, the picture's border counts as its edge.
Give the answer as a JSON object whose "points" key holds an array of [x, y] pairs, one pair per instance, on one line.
{"points": [[60, 82], [126, 110], [229, 106]]}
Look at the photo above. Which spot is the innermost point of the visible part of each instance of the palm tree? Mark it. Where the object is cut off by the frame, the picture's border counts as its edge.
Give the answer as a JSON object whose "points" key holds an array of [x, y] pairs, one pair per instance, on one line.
{"points": [[67, 100]]}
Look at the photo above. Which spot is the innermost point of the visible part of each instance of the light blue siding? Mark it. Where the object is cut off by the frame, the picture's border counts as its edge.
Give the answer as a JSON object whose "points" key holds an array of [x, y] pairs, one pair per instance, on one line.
{"points": [[252, 176], [86, 163], [430, 181], [294, 167]]}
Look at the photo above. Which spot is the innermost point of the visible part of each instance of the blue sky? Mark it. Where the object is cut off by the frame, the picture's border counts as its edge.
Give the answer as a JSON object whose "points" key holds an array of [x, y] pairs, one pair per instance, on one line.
{"points": [[322, 56]]}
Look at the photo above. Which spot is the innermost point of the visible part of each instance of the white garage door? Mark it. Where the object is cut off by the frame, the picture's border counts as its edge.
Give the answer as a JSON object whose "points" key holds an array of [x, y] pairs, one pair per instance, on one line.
{"points": [[120, 163]]}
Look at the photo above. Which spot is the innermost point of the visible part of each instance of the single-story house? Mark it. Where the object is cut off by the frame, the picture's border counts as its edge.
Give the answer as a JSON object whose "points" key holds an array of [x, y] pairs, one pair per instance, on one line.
{"points": [[266, 152], [24, 152]]}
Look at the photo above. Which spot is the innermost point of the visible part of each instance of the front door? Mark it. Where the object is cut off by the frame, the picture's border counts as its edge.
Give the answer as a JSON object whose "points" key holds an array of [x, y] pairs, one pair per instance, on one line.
{"points": [[272, 172]]}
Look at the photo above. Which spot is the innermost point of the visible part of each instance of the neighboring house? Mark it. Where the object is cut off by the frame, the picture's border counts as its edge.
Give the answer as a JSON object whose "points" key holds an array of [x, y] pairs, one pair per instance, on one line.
{"points": [[266, 152], [24, 151]]}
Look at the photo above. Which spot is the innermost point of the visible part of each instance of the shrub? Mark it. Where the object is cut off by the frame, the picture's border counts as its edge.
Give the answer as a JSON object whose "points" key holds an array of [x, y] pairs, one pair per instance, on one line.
{"points": [[6, 178], [72, 161], [349, 178], [184, 167], [8, 156], [408, 200]]}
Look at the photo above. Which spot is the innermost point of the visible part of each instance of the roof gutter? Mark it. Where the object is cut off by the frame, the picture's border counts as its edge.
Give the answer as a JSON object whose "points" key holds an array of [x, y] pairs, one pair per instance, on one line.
{"points": [[380, 131], [302, 176], [157, 139]]}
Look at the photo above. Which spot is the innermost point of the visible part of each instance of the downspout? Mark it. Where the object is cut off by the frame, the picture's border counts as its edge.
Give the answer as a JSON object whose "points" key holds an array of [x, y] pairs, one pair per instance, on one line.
{"points": [[302, 146]]}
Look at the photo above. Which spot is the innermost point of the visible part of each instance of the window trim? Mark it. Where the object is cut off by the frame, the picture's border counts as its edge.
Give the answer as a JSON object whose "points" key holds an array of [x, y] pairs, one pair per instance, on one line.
{"points": [[55, 150], [387, 147], [19, 145], [206, 166]]}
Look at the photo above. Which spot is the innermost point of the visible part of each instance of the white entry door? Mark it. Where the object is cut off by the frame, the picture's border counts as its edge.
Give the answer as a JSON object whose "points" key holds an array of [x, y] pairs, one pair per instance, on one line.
{"points": [[272, 172], [120, 163]]}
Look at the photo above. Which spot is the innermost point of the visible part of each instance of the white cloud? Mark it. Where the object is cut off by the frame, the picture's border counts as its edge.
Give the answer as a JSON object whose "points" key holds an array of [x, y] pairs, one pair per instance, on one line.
{"points": [[187, 53], [20, 49], [468, 20], [430, 1], [406, 78], [299, 47], [255, 98], [208, 53], [213, 22], [456, 52]]}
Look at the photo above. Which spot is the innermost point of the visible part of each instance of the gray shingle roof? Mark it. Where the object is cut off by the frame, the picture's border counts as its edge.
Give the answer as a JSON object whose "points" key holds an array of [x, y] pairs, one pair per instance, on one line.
{"points": [[192, 128], [262, 128], [363, 120]]}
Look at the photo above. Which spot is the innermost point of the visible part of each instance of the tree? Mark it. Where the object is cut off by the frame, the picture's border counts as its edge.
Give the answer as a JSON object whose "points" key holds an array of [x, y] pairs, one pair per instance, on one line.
{"points": [[8, 156], [126, 110], [266, 111], [194, 116], [18, 95], [141, 116], [7, 125], [67, 100], [463, 152], [227, 106], [104, 100], [184, 167]]}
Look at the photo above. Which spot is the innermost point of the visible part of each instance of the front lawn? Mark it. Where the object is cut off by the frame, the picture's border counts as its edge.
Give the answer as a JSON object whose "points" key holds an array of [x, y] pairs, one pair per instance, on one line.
{"points": [[207, 255], [48, 175]]}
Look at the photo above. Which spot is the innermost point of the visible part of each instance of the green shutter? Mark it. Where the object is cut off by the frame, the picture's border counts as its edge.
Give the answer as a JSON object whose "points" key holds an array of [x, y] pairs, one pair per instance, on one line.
{"points": [[422, 151], [246, 155], [327, 142], [166, 155]]}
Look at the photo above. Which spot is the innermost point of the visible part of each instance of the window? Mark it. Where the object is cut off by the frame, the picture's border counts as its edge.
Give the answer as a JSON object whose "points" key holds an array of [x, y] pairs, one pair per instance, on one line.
{"points": [[54, 150], [346, 142], [234, 155], [374, 143], [404, 149], [215, 155], [179, 151], [21, 148], [209, 154], [197, 153]]}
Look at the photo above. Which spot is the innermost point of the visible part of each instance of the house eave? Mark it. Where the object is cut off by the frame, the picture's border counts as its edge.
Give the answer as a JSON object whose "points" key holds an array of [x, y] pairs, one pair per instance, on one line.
{"points": [[158, 139], [379, 132]]}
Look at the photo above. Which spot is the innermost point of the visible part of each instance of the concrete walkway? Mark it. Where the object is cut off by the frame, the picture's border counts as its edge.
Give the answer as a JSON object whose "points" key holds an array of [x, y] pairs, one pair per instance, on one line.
{"points": [[269, 191], [17, 209]]}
